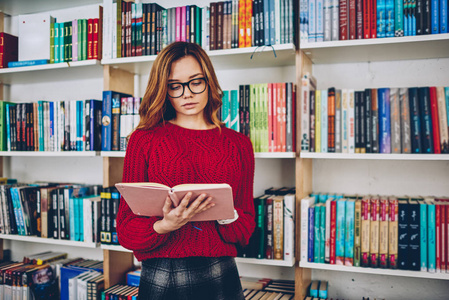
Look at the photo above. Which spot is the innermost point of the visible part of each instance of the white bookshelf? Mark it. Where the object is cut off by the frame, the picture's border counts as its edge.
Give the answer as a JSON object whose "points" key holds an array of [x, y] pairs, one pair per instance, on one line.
{"points": [[375, 156], [256, 155], [240, 58], [381, 49], [266, 262], [50, 153], [35, 239], [376, 271], [114, 248]]}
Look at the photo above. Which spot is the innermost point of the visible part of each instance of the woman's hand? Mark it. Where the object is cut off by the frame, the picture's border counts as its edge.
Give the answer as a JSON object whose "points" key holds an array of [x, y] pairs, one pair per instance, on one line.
{"points": [[175, 218]]}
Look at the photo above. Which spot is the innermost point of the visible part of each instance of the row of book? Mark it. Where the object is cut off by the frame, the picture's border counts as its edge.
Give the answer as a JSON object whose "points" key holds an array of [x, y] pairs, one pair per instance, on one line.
{"points": [[48, 275], [267, 289], [51, 210], [318, 289], [376, 231], [333, 20], [135, 29], [274, 235], [75, 125], [384, 120], [263, 112]]}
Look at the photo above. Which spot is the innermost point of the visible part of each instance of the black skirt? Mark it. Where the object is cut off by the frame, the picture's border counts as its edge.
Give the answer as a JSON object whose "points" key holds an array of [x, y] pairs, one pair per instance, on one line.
{"points": [[210, 278]]}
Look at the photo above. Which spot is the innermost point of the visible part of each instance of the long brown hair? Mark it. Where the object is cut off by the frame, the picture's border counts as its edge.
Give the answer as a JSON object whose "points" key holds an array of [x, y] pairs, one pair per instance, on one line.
{"points": [[155, 107]]}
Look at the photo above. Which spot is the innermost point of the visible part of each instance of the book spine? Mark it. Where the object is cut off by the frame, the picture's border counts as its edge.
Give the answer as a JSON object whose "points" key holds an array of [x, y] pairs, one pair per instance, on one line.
{"points": [[304, 240], [443, 120], [331, 120], [106, 130], [415, 122], [317, 234], [413, 253], [338, 122], [431, 237], [269, 249], [365, 232], [393, 234], [278, 225], [374, 234], [322, 232], [343, 20], [351, 122], [383, 232], [349, 233], [340, 238], [312, 20], [324, 121], [312, 122], [435, 127], [311, 234], [344, 120], [333, 234], [260, 206], [423, 224], [288, 119], [320, 20], [289, 226], [425, 110], [438, 237], [317, 121], [357, 232], [405, 120], [395, 121], [403, 234], [327, 234]]}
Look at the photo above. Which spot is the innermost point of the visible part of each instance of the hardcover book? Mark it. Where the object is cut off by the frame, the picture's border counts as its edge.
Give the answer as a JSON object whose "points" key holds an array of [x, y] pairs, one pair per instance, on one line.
{"points": [[138, 195]]}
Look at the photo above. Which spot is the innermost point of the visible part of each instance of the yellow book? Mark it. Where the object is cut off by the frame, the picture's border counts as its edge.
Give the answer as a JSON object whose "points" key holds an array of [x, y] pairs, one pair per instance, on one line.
{"points": [[278, 227], [383, 232], [252, 115], [317, 121], [374, 234]]}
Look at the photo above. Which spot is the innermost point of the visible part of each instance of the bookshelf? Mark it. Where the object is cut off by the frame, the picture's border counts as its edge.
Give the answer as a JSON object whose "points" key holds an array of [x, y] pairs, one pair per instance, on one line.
{"points": [[256, 155], [51, 241], [50, 153], [374, 63]]}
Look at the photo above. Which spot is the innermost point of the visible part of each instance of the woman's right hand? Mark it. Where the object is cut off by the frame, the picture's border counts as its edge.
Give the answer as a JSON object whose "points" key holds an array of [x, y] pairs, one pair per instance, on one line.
{"points": [[175, 218]]}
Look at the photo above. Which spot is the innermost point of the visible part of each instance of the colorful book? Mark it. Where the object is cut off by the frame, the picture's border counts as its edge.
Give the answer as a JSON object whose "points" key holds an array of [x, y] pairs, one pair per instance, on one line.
{"points": [[340, 233], [349, 232]]}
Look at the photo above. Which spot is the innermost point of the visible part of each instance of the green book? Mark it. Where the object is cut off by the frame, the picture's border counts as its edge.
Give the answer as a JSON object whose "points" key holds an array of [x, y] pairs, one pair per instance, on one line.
{"points": [[322, 231], [52, 43], [61, 43], [252, 107], [83, 34], [265, 136], [198, 25], [3, 133], [260, 208], [69, 41], [317, 234], [56, 52]]}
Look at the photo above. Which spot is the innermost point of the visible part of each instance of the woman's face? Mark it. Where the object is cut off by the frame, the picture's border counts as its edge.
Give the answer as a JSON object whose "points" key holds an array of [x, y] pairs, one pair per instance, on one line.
{"points": [[194, 99]]}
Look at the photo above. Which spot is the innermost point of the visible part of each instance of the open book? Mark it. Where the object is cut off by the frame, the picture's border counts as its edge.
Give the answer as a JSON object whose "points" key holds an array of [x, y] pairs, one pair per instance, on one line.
{"points": [[147, 198]]}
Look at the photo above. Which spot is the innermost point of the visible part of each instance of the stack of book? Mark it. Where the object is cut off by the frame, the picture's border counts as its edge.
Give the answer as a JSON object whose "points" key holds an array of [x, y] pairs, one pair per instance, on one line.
{"points": [[110, 200], [120, 291], [81, 279], [376, 231], [268, 289], [135, 29], [348, 20], [50, 210], [384, 120], [273, 237], [265, 113]]}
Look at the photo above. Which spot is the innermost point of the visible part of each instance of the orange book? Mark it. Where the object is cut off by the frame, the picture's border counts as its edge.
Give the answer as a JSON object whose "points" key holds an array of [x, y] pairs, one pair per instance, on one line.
{"points": [[148, 198], [242, 24], [248, 23]]}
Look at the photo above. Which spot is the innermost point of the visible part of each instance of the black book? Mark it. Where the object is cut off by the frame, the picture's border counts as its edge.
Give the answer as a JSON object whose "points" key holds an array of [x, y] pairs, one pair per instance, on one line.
{"points": [[12, 129], [415, 122], [103, 217], [54, 194], [28, 199], [427, 17], [148, 29], [115, 202], [256, 17], [419, 17], [6, 189], [144, 27], [312, 122], [18, 126], [414, 254], [357, 122], [242, 128], [23, 139], [262, 22], [152, 31], [63, 206], [247, 116], [403, 234], [368, 122], [425, 120], [363, 132]]}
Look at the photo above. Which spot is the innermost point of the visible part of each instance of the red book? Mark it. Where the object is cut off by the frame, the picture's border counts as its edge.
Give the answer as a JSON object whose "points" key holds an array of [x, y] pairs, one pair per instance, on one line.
{"points": [[248, 19], [331, 120], [359, 20], [283, 133], [373, 20], [220, 26], [333, 235], [90, 38], [8, 49], [100, 35], [435, 120], [269, 249], [343, 20], [213, 26], [352, 20], [438, 236], [95, 45], [366, 19], [444, 223]]}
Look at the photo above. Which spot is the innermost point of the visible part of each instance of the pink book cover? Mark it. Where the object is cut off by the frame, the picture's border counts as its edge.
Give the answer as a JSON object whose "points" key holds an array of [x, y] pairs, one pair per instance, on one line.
{"points": [[183, 24], [178, 24], [75, 40], [270, 117], [147, 199]]}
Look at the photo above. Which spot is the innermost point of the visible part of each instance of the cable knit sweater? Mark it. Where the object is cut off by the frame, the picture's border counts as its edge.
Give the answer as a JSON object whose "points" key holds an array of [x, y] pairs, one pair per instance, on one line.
{"points": [[172, 155]]}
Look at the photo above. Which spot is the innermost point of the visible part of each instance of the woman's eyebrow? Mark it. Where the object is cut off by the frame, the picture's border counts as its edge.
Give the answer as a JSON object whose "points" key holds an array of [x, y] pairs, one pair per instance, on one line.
{"points": [[192, 76]]}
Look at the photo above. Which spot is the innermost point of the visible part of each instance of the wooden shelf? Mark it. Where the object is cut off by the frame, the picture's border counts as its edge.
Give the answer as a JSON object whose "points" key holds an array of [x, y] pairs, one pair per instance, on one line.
{"points": [[389, 272], [374, 156], [266, 262], [35, 239], [380, 49], [256, 155], [239, 58], [26, 74], [51, 153]]}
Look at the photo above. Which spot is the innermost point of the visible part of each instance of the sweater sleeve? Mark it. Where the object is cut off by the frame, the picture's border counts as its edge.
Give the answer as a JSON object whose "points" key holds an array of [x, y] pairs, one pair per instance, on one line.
{"points": [[241, 230], [136, 232]]}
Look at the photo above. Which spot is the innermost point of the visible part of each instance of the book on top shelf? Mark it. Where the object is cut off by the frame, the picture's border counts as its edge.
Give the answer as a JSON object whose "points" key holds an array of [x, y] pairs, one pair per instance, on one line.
{"points": [[138, 196]]}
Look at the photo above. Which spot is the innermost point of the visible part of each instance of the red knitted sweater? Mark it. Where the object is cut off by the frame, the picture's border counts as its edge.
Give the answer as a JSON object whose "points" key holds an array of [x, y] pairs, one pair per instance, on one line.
{"points": [[171, 155]]}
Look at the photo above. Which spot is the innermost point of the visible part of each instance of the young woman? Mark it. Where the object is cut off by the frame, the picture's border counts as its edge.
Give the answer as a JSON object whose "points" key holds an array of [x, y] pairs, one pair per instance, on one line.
{"points": [[181, 140]]}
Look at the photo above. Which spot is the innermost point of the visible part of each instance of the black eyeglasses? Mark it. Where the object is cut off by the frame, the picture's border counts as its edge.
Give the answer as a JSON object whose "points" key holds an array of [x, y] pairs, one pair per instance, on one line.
{"points": [[196, 86]]}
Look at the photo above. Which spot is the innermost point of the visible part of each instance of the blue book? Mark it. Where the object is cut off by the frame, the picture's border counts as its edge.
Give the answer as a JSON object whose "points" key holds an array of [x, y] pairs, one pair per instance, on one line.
{"points": [[322, 232], [225, 110], [425, 120], [16, 211], [312, 20], [61, 43], [317, 235], [133, 278], [106, 124], [443, 16], [93, 125], [446, 92], [435, 14], [72, 220], [324, 121], [384, 120], [415, 121], [68, 272], [51, 111], [56, 42], [412, 18], [115, 200], [322, 198], [423, 234], [340, 232], [431, 236], [80, 216], [320, 21], [381, 19], [349, 232], [310, 252], [234, 110], [27, 63], [40, 112], [390, 18], [272, 27], [266, 22]]}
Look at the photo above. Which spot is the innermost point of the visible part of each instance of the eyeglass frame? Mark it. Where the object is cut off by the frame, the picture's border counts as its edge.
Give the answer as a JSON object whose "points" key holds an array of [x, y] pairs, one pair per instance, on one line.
{"points": [[184, 84]]}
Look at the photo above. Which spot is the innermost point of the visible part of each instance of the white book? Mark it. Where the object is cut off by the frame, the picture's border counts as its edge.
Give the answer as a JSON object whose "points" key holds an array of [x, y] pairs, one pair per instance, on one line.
{"points": [[73, 124], [114, 30], [277, 21], [88, 224], [56, 109], [82, 284], [123, 132], [305, 204], [7, 295], [335, 12], [204, 28], [344, 121], [61, 124], [327, 241], [46, 126], [324, 121], [312, 20], [319, 20], [304, 20], [305, 112], [73, 286], [327, 19], [289, 226], [351, 124], [107, 37]]}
